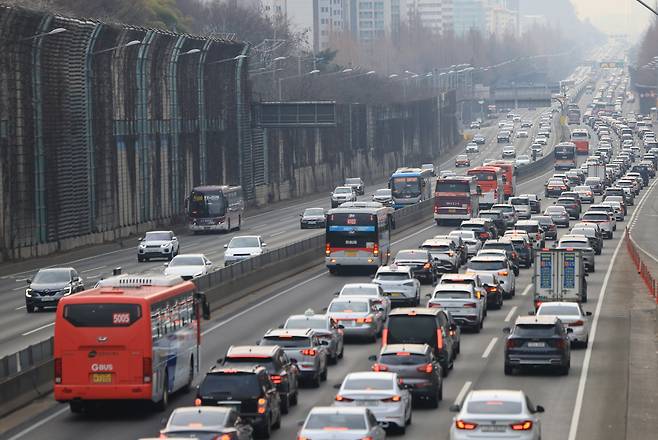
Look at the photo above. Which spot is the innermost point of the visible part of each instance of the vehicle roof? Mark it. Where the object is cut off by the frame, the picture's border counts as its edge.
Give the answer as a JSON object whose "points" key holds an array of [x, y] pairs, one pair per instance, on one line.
{"points": [[242, 368], [290, 332], [131, 288], [408, 348], [214, 188], [437, 242], [338, 410], [459, 276], [414, 311], [460, 286], [478, 395], [573, 237], [542, 319], [252, 350], [488, 258], [56, 269], [527, 222], [371, 375], [365, 286], [391, 268]]}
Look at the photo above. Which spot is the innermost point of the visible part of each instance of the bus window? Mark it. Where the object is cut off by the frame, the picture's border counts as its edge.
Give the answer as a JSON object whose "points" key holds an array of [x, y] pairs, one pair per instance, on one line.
{"points": [[102, 315]]}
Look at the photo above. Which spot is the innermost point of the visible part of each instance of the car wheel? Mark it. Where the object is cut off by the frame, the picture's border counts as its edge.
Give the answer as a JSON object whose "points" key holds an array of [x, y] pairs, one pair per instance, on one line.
{"points": [[285, 404], [316, 381], [294, 398], [509, 371], [164, 400], [140, 259], [29, 308], [264, 430], [323, 375]]}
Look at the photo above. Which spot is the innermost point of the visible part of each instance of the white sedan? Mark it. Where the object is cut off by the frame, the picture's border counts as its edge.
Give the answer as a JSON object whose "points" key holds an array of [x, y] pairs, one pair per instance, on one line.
{"points": [[522, 160], [380, 392], [472, 147], [572, 316], [188, 266], [496, 414]]}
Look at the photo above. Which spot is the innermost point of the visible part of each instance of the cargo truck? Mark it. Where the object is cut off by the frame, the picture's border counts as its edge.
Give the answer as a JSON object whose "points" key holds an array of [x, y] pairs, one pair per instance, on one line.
{"points": [[559, 275]]}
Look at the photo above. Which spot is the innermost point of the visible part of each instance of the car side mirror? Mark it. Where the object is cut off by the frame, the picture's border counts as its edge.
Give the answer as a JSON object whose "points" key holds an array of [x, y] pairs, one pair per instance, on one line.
{"points": [[539, 409], [372, 358], [140, 239], [452, 327], [507, 330], [263, 244], [341, 326], [166, 264], [455, 407], [220, 360], [293, 361], [28, 281], [174, 238], [163, 422], [588, 313], [428, 295], [300, 423], [226, 246], [337, 386]]}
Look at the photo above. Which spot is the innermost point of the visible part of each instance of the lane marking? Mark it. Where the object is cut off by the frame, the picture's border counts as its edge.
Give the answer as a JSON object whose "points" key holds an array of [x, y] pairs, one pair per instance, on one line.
{"points": [[487, 351], [91, 270], [19, 308], [460, 396], [277, 233], [39, 424], [582, 381], [510, 314], [20, 280], [19, 288], [527, 289], [43, 327]]}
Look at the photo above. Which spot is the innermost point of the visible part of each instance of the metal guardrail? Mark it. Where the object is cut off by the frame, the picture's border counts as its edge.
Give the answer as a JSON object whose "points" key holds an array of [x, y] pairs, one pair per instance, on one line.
{"points": [[643, 270], [29, 357]]}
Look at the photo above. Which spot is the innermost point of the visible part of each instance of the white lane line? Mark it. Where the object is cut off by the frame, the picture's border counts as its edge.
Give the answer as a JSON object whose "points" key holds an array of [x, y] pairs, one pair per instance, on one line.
{"points": [[19, 308], [460, 396], [511, 313], [582, 381], [91, 270], [487, 351], [277, 233], [527, 289], [19, 288], [39, 423], [21, 280], [43, 327]]}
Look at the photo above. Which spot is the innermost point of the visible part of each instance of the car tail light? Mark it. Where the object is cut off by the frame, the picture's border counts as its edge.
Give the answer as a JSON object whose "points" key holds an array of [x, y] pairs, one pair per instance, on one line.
{"points": [[559, 343], [366, 320], [276, 379], [468, 426], [340, 398], [375, 250], [578, 323], [522, 426], [309, 352], [427, 368], [433, 305], [503, 273], [470, 305], [384, 336], [492, 289], [147, 369], [439, 339], [198, 402], [427, 266], [224, 437], [514, 255], [392, 399], [58, 370], [537, 304], [379, 367], [262, 405], [511, 343], [552, 227], [327, 249], [484, 235]]}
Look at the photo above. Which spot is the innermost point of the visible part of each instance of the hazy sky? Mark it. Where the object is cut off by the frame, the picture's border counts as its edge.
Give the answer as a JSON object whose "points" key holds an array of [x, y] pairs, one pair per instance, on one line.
{"points": [[616, 16]]}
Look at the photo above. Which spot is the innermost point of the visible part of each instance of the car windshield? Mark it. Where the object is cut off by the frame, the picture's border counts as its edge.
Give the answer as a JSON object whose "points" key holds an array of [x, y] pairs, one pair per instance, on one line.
{"points": [[543, 219], [368, 383], [558, 309], [452, 294], [370, 290], [198, 418], [383, 192], [503, 208], [352, 181], [157, 236], [588, 232], [393, 276], [286, 341], [411, 255], [301, 323], [343, 191], [582, 189], [186, 260], [462, 234], [487, 265], [403, 358], [494, 406], [535, 330], [314, 212], [245, 360], [555, 210], [244, 242], [348, 307], [336, 421], [52, 276], [595, 217], [436, 249], [504, 246], [235, 384], [573, 244]]}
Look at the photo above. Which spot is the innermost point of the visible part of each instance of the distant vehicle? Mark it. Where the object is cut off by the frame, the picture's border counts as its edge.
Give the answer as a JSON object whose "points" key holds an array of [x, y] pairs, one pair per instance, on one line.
{"points": [[313, 218], [505, 413], [455, 198], [362, 317], [490, 182], [157, 244], [565, 156], [522, 160], [399, 284], [509, 152], [188, 266], [559, 275], [475, 125], [324, 327], [341, 195], [207, 422], [522, 134], [559, 215], [462, 301], [462, 160], [537, 150], [472, 148], [504, 136], [581, 243], [49, 286], [243, 247], [141, 353], [522, 206], [383, 196], [573, 316], [215, 208], [509, 175], [429, 167], [410, 186], [580, 137], [357, 184], [479, 139], [573, 116], [348, 423]]}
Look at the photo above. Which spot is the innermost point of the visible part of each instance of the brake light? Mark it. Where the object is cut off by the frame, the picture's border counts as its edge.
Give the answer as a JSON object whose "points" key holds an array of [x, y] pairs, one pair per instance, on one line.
{"points": [[223, 437], [58, 370], [484, 235], [433, 305], [491, 289], [427, 368], [309, 352], [147, 369], [327, 249], [262, 405], [468, 426], [375, 250], [379, 367], [197, 402], [427, 266], [470, 305], [392, 399], [511, 343], [537, 304], [522, 426], [340, 398], [578, 323], [503, 273], [384, 336], [276, 379], [366, 320], [514, 254], [439, 339]]}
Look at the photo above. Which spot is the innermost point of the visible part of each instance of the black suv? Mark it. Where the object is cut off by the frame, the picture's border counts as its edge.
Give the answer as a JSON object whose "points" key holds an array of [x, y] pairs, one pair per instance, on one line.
{"points": [[417, 368], [422, 325], [497, 217], [283, 372], [421, 263], [249, 389], [538, 341], [51, 285]]}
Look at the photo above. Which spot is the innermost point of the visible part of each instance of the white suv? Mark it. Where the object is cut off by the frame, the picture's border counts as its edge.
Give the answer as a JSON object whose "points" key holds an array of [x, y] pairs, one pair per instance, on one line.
{"points": [[243, 247], [157, 244]]}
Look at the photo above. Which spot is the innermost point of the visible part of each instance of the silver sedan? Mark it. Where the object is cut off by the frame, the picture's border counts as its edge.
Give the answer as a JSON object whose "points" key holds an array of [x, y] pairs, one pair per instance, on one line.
{"points": [[359, 316], [331, 423], [572, 316]]}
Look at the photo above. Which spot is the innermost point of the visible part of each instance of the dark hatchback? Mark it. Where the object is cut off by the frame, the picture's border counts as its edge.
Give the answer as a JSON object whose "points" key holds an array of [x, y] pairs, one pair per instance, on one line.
{"points": [[249, 390], [538, 341], [417, 368], [313, 218], [421, 263]]}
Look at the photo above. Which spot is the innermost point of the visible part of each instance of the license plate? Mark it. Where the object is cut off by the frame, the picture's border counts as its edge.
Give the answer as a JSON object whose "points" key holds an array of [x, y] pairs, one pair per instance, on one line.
{"points": [[395, 294], [350, 253], [536, 344], [101, 378], [493, 428], [451, 210], [367, 402]]}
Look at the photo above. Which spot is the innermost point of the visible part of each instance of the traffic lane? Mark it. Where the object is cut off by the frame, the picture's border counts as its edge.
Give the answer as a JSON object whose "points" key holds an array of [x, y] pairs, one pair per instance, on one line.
{"points": [[643, 229], [311, 289]]}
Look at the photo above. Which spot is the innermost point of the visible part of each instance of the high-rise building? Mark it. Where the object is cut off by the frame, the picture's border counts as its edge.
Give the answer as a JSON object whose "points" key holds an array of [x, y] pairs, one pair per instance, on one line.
{"points": [[469, 14], [502, 19], [330, 17], [435, 15], [371, 20]]}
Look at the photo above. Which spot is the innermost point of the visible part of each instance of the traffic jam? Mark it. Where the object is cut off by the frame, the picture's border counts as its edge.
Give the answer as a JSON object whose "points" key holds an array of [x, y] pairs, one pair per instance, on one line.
{"points": [[470, 270]]}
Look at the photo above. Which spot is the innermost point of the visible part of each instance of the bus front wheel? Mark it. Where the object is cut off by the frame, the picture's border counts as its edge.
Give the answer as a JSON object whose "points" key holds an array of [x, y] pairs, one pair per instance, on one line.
{"points": [[164, 401]]}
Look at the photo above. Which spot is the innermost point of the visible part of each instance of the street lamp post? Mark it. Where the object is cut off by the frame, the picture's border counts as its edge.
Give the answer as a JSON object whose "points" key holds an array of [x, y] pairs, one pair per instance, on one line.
{"points": [[312, 72], [128, 44], [226, 60], [45, 34]]}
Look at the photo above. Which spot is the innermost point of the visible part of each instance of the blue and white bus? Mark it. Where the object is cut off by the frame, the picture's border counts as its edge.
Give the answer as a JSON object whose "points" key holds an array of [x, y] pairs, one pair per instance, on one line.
{"points": [[410, 186], [215, 208], [358, 235]]}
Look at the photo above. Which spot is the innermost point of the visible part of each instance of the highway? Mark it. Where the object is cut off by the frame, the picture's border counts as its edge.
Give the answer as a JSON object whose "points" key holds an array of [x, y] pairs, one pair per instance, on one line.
{"points": [[278, 227], [480, 364]]}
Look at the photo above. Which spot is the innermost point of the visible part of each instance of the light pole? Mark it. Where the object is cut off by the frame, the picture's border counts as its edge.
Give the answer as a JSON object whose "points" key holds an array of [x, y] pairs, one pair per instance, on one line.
{"points": [[45, 34], [128, 44], [189, 52], [226, 60], [312, 72]]}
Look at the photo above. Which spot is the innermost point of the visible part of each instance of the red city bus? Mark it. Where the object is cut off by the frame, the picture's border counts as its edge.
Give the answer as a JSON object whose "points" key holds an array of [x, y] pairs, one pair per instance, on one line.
{"points": [[129, 338], [490, 182], [580, 137], [509, 176], [455, 198]]}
